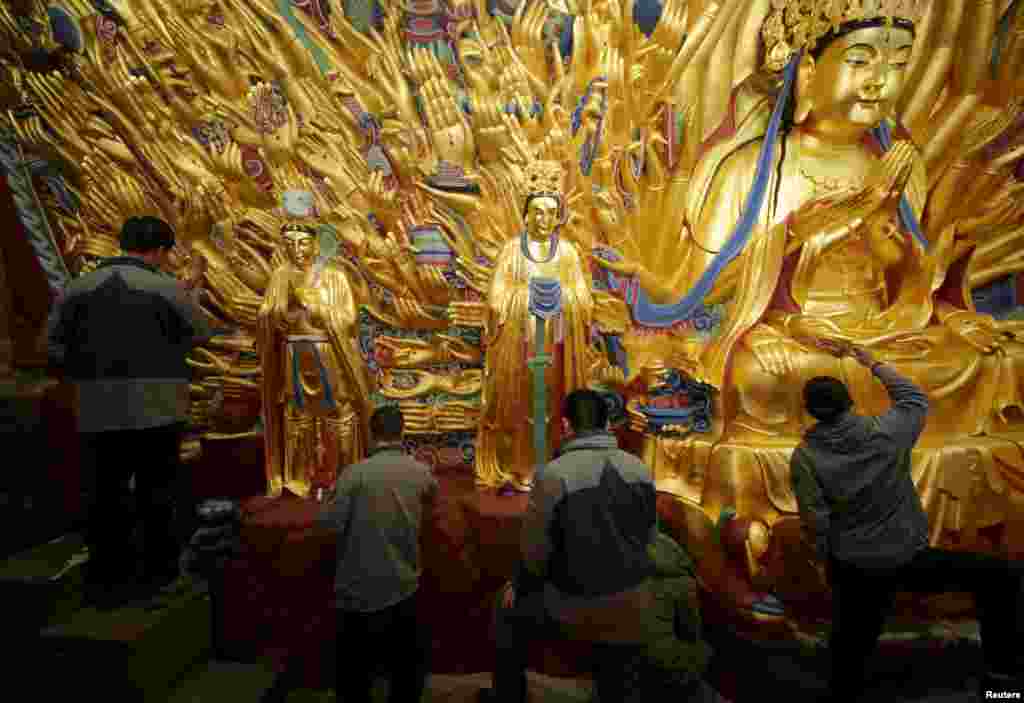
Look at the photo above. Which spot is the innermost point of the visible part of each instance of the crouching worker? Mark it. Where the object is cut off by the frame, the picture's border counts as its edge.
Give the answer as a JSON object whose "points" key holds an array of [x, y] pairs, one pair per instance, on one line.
{"points": [[586, 572], [675, 656]]}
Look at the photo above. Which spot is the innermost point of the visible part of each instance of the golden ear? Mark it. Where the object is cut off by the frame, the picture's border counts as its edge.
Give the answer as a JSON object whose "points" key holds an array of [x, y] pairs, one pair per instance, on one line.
{"points": [[804, 94]]}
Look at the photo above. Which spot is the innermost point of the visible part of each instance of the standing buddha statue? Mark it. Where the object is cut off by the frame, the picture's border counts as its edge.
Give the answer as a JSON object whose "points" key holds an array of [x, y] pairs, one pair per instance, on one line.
{"points": [[316, 390], [504, 451]]}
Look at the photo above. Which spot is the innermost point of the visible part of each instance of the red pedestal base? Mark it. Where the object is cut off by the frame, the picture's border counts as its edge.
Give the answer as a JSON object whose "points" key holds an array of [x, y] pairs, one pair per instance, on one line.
{"points": [[278, 599]]}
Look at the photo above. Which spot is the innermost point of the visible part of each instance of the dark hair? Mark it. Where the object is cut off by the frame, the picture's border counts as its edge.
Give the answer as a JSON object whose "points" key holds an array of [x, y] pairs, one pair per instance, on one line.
{"points": [[826, 398], [145, 234], [386, 423], [585, 410]]}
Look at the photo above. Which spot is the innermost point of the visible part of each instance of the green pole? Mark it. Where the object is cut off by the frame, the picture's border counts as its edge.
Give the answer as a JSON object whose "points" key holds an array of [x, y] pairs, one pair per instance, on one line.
{"points": [[538, 364]]}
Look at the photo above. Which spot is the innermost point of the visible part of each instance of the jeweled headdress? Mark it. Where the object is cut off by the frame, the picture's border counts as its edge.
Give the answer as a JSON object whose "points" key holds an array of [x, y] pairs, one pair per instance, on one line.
{"points": [[299, 228], [793, 25], [544, 178]]}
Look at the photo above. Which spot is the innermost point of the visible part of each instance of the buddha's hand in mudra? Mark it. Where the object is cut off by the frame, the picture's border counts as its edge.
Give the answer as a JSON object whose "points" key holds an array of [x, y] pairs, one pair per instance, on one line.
{"points": [[978, 330], [843, 213], [776, 356], [622, 267]]}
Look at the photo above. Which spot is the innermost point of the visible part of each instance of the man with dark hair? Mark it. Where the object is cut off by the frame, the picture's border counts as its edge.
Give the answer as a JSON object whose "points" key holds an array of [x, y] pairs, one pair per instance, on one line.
{"points": [[145, 235], [378, 507], [121, 334], [386, 425], [863, 515], [584, 547]]}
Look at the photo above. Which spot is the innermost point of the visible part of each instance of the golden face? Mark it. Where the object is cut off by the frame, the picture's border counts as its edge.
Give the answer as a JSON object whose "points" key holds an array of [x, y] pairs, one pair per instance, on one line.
{"points": [[542, 217], [860, 76], [302, 248]]}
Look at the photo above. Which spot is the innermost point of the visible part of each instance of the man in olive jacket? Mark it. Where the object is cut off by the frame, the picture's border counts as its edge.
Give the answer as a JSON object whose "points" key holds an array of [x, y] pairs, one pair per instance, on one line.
{"points": [[860, 508]]}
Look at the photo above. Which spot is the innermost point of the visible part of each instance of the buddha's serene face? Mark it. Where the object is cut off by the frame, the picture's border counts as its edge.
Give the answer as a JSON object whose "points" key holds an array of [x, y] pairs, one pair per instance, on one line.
{"points": [[860, 76], [302, 248], [542, 217]]}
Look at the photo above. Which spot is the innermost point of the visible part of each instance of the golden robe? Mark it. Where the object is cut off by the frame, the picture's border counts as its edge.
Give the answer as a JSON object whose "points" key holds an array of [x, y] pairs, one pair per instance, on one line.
{"points": [[892, 312], [334, 317], [505, 442]]}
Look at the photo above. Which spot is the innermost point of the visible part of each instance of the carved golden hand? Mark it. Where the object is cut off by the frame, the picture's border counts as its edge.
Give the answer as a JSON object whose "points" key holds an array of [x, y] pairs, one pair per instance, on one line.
{"points": [[980, 331], [610, 376], [846, 212], [623, 267], [775, 354], [449, 127], [468, 313], [273, 41], [527, 37], [637, 419], [608, 213], [210, 56], [774, 358], [458, 349], [408, 352], [812, 328], [333, 159], [446, 417], [382, 199], [466, 382], [62, 106]]}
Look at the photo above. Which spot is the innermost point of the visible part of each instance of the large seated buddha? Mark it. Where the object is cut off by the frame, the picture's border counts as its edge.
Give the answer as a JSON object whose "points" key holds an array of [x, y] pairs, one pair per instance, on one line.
{"points": [[807, 226]]}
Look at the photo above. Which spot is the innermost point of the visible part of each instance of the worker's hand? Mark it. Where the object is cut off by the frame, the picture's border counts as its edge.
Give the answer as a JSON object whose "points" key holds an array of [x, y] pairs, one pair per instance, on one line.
{"points": [[862, 355], [508, 599], [822, 570]]}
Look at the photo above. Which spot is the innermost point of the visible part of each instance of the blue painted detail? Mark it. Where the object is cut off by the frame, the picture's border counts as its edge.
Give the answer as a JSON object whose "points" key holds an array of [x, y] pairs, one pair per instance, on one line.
{"points": [[997, 298], [696, 413], [284, 8], [65, 28], [651, 314], [565, 39], [431, 246], [768, 605], [646, 14], [37, 228]]}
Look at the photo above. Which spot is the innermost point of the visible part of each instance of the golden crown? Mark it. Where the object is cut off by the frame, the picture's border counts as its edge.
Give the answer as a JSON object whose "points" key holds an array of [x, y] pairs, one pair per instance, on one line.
{"points": [[300, 228], [544, 178], [793, 25]]}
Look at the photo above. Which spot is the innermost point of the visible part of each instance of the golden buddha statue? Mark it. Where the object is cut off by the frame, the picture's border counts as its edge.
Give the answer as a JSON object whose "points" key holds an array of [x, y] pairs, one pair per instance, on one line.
{"points": [[739, 158], [809, 230], [315, 385], [504, 445]]}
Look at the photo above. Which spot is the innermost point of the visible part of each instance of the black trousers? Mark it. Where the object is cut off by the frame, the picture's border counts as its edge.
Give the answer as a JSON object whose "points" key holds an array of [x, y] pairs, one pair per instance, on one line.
{"points": [[528, 621], [393, 638], [113, 458], [862, 598]]}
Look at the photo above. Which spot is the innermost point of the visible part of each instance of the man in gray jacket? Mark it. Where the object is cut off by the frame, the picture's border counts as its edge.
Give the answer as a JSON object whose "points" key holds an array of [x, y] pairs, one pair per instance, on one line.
{"points": [[121, 334], [585, 563], [852, 479], [378, 507]]}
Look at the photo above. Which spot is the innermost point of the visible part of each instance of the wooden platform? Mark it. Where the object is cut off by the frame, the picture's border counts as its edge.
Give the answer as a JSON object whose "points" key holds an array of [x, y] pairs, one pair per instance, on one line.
{"points": [[138, 653], [41, 586]]}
